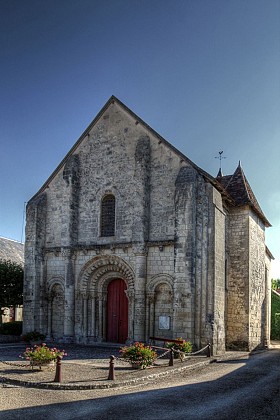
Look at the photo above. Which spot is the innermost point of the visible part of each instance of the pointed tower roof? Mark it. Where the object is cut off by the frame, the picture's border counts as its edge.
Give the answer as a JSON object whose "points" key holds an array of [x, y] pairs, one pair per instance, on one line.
{"points": [[220, 174], [240, 190]]}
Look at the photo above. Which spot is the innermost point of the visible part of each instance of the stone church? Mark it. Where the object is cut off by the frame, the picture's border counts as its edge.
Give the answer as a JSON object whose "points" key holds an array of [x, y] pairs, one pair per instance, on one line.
{"points": [[129, 239]]}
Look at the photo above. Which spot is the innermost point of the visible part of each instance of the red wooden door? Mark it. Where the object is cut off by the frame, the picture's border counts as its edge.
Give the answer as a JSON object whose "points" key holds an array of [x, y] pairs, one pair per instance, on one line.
{"points": [[117, 312]]}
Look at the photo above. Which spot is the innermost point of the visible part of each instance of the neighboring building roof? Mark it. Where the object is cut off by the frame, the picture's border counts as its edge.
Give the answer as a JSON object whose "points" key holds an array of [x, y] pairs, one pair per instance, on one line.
{"points": [[11, 250], [239, 189], [269, 254]]}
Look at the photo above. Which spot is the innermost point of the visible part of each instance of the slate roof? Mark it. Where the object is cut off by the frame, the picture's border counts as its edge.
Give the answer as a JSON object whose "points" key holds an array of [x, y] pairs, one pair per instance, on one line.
{"points": [[11, 250], [238, 187]]}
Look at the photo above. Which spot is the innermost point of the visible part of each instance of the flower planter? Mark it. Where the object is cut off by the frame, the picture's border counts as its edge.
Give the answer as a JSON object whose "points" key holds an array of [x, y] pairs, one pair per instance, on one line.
{"points": [[136, 366], [42, 365], [138, 355], [42, 356]]}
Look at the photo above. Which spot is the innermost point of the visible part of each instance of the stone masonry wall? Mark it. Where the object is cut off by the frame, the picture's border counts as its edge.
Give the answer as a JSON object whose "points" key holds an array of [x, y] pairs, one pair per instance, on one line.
{"points": [[237, 330], [34, 257], [164, 232], [257, 307], [219, 275]]}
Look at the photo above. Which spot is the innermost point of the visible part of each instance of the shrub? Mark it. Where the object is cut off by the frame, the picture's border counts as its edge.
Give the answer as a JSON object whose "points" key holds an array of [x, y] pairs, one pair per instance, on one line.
{"points": [[277, 325], [11, 328], [275, 309], [33, 336]]}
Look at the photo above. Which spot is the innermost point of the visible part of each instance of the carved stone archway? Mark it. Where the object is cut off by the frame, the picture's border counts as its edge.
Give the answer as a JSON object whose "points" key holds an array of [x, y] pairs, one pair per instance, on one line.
{"points": [[56, 305], [154, 290], [91, 296]]}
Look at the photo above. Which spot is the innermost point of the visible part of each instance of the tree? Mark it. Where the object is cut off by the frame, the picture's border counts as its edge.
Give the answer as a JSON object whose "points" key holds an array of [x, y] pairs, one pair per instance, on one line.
{"points": [[11, 284], [275, 284]]}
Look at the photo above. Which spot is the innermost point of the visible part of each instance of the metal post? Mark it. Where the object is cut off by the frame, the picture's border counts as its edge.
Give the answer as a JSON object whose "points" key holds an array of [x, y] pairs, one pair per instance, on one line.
{"points": [[209, 350], [57, 377], [111, 376], [171, 359]]}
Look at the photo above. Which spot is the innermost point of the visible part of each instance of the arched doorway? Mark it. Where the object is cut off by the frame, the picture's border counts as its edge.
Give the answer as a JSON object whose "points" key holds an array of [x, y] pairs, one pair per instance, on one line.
{"points": [[117, 312]]}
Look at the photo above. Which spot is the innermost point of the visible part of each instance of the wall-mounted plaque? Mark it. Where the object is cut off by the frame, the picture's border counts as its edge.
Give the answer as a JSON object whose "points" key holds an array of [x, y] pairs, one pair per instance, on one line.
{"points": [[164, 323]]}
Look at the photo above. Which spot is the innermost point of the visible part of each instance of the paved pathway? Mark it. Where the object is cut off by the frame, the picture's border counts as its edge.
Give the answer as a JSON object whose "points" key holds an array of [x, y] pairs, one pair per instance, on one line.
{"points": [[245, 388]]}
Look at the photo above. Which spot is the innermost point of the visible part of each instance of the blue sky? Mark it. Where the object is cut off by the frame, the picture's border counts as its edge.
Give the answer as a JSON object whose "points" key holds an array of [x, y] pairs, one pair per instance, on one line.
{"points": [[205, 74]]}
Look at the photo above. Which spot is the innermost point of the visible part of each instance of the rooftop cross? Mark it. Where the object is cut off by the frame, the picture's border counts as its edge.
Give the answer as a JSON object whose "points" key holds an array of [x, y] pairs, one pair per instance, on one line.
{"points": [[220, 157]]}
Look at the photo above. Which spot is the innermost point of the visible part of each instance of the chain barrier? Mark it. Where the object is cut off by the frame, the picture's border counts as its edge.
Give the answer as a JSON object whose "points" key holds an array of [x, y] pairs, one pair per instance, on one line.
{"points": [[182, 355], [15, 364], [199, 351]]}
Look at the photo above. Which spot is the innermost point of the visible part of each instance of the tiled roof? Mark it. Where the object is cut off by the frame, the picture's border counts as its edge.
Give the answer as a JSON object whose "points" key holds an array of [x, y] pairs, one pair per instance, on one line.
{"points": [[11, 250], [239, 189]]}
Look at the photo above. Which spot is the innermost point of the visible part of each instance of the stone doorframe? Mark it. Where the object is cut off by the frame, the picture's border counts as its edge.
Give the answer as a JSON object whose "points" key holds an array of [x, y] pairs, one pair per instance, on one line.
{"points": [[91, 297]]}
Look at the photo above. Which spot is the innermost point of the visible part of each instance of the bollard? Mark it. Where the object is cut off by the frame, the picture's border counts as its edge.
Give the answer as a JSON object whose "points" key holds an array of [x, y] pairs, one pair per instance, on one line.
{"points": [[111, 376], [171, 359], [57, 377], [209, 350]]}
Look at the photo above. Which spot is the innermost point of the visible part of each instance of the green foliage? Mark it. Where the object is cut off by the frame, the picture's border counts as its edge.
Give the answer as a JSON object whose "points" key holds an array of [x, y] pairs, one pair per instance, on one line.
{"points": [[275, 284], [42, 354], [275, 311], [139, 354], [184, 346], [33, 336], [277, 323], [11, 328], [11, 284]]}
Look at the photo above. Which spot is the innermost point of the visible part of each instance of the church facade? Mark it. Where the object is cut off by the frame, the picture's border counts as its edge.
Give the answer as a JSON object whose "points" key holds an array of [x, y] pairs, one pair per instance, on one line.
{"points": [[129, 239]]}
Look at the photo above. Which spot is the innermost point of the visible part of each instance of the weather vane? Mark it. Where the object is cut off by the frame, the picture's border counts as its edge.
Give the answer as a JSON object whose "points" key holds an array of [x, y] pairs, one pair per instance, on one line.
{"points": [[220, 157]]}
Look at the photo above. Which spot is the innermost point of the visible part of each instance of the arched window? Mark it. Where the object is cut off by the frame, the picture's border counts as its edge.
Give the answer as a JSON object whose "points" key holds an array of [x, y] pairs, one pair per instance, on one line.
{"points": [[108, 215]]}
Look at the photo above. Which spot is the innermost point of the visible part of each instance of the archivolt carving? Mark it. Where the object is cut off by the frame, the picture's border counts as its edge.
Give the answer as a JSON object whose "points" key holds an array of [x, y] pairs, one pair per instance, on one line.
{"points": [[53, 281], [158, 279], [97, 272]]}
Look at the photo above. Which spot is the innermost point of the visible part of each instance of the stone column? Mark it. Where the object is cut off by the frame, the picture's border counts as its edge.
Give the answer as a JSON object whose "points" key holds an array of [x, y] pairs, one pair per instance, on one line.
{"points": [[151, 315], [69, 307], [140, 231], [34, 243], [185, 252], [139, 297], [100, 316], [78, 316], [92, 331], [69, 236], [130, 296], [49, 330], [85, 317]]}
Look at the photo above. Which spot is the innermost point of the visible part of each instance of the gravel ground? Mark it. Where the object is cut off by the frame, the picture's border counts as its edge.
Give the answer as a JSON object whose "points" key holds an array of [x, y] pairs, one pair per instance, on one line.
{"points": [[86, 367], [242, 387]]}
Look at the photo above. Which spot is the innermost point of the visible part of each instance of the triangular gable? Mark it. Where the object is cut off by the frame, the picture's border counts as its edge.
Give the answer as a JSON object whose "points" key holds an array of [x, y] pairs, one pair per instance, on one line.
{"points": [[112, 100]]}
